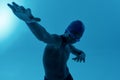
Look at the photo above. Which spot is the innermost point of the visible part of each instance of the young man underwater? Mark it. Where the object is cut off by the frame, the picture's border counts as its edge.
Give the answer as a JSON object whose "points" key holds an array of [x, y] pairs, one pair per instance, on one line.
{"points": [[58, 48]]}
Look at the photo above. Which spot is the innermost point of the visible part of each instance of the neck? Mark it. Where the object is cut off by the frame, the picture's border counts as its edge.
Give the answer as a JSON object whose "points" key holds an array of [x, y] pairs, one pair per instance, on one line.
{"points": [[64, 40]]}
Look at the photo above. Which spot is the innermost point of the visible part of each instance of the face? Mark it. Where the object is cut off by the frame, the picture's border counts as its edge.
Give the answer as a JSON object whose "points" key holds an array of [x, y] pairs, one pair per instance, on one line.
{"points": [[72, 37]]}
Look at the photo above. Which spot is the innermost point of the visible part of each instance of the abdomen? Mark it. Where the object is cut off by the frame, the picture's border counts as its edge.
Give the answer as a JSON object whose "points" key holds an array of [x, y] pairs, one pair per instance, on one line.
{"points": [[54, 61]]}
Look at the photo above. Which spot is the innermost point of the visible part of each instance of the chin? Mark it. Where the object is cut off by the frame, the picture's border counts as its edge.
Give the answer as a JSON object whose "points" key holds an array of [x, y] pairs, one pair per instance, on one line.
{"points": [[72, 42]]}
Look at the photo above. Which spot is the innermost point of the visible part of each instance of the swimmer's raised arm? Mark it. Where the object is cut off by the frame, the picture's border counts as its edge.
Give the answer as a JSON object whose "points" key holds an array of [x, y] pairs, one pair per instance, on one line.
{"points": [[41, 33], [32, 22]]}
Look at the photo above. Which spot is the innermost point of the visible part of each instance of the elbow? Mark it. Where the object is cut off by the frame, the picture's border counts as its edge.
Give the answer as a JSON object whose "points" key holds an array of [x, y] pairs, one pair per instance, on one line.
{"points": [[43, 39], [38, 37]]}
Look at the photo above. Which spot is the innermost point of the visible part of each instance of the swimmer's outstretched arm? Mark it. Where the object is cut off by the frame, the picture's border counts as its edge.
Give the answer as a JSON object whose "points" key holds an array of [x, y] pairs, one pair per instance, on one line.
{"points": [[41, 34], [32, 22], [80, 55]]}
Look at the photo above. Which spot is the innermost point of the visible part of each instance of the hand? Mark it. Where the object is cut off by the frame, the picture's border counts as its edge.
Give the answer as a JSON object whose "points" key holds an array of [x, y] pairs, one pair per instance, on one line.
{"points": [[22, 13], [80, 57]]}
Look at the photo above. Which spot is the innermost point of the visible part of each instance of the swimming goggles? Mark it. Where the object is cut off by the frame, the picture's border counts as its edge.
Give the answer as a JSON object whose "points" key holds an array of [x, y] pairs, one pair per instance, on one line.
{"points": [[72, 35]]}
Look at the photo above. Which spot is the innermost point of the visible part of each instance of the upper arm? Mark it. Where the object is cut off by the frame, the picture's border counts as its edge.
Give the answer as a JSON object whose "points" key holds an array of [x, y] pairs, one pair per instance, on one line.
{"points": [[52, 39], [42, 34]]}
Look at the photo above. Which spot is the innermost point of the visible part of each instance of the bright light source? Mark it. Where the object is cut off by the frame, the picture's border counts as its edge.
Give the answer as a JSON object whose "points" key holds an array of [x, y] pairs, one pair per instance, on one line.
{"points": [[6, 21]]}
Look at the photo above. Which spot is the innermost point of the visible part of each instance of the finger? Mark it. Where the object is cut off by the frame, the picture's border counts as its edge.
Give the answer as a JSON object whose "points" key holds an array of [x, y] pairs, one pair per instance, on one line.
{"points": [[37, 19], [81, 59], [22, 8], [73, 58], [84, 60], [77, 59], [9, 5], [15, 5], [29, 10]]}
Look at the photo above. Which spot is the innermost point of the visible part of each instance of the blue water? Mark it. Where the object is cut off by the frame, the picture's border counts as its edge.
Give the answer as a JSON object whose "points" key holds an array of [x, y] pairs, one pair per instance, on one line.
{"points": [[22, 58]]}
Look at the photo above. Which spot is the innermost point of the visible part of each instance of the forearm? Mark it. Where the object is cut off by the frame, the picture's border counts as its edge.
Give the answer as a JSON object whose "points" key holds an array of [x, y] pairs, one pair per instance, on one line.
{"points": [[37, 30], [75, 51]]}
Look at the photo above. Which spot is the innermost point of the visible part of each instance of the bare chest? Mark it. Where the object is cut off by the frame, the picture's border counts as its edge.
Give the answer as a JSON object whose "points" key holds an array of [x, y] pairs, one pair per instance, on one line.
{"points": [[56, 53]]}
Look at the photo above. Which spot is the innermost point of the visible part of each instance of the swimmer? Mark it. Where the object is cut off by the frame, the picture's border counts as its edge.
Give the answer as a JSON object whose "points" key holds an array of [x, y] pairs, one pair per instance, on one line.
{"points": [[58, 48]]}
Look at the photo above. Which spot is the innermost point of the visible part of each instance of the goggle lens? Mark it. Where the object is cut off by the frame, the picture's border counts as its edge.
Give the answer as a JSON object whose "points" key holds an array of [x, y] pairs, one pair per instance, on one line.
{"points": [[72, 35]]}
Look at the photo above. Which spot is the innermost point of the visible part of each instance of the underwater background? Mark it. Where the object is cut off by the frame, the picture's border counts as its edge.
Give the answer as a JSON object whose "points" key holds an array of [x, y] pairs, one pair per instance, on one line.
{"points": [[21, 53]]}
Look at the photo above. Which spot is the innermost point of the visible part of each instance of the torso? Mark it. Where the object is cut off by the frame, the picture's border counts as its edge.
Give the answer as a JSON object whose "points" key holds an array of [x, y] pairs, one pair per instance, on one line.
{"points": [[55, 62]]}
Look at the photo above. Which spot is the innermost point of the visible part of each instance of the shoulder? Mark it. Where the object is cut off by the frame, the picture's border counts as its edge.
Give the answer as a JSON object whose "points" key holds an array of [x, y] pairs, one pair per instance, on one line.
{"points": [[57, 40], [56, 37]]}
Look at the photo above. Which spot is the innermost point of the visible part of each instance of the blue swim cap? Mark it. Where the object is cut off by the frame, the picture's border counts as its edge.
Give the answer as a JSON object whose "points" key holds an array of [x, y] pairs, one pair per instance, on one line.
{"points": [[76, 27]]}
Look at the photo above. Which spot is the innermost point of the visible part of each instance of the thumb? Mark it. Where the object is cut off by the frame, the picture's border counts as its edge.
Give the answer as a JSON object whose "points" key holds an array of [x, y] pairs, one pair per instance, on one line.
{"points": [[73, 58], [29, 10], [37, 19]]}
